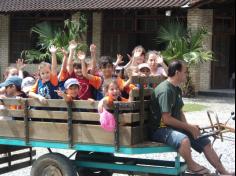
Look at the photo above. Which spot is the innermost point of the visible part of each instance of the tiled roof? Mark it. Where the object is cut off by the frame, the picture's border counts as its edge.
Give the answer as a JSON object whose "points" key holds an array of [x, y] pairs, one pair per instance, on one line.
{"points": [[7, 6], [194, 2]]}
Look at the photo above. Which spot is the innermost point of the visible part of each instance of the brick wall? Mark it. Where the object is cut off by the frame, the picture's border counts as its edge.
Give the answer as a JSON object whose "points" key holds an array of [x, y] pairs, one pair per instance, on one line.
{"points": [[4, 43], [201, 74], [97, 31]]}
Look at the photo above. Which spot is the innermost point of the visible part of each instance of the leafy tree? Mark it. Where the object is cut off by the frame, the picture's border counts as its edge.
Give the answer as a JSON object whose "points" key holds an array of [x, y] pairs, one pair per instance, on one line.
{"points": [[49, 34], [187, 45]]}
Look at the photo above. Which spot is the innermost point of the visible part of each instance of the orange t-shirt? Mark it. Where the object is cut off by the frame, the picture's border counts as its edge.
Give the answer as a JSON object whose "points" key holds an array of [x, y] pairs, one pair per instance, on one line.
{"points": [[64, 75], [110, 100], [46, 89], [97, 82]]}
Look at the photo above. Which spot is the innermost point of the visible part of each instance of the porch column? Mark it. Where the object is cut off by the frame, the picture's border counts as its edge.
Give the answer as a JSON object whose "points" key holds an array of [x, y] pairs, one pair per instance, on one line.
{"points": [[4, 43], [97, 31], [201, 74]]}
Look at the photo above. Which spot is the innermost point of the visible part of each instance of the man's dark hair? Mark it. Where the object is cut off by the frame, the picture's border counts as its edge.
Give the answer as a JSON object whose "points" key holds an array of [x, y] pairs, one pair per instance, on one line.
{"points": [[105, 61], [175, 66]]}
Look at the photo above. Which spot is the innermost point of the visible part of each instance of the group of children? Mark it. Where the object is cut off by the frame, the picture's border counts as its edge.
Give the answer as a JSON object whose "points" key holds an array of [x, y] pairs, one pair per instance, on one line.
{"points": [[82, 78]]}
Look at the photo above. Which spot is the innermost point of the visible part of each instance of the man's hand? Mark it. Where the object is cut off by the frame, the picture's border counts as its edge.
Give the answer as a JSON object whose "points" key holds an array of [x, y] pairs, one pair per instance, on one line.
{"points": [[20, 64], [53, 49], [72, 45], [81, 55], [194, 131]]}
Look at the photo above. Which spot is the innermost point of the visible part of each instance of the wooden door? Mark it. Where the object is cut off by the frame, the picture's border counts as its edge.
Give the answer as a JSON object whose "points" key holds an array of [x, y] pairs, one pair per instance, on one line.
{"points": [[220, 68]]}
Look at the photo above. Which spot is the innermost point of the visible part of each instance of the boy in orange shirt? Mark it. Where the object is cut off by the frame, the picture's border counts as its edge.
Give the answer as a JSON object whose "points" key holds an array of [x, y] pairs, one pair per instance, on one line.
{"points": [[107, 68]]}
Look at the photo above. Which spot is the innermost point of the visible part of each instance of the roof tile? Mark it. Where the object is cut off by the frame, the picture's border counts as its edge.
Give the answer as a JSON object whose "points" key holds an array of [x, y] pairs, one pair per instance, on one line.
{"points": [[7, 6]]}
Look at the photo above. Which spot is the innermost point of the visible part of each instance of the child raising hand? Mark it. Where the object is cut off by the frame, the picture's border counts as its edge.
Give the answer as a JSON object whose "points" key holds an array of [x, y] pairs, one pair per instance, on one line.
{"points": [[46, 85]]}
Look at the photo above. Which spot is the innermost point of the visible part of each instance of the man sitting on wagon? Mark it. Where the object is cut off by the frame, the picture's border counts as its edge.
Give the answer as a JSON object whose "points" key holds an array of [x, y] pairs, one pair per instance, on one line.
{"points": [[169, 126]]}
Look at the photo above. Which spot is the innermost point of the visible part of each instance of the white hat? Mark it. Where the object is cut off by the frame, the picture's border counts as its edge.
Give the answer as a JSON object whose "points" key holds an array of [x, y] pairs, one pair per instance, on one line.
{"points": [[70, 82], [27, 84], [119, 68], [144, 65]]}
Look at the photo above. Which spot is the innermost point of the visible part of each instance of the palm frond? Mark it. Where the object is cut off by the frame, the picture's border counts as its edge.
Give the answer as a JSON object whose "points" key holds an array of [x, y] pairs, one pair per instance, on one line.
{"points": [[49, 34]]}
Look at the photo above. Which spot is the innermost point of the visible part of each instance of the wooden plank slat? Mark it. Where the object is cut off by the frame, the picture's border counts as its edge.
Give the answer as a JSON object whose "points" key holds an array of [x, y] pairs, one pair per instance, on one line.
{"points": [[147, 80], [82, 104], [126, 118], [147, 92], [92, 134], [12, 101], [12, 113]]}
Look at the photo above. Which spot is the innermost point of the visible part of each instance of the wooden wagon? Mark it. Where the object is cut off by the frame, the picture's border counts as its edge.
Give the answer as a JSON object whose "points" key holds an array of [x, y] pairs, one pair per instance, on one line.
{"points": [[75, 126]]}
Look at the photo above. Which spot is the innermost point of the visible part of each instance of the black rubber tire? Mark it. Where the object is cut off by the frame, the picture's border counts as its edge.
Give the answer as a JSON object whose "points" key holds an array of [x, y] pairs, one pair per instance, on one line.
{"points": [[92, 172], [53, 164]]}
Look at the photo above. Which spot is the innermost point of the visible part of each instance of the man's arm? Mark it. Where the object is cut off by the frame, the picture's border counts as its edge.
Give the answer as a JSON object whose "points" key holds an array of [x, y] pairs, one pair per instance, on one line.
{"points": [[183, 118], [174, 123]]}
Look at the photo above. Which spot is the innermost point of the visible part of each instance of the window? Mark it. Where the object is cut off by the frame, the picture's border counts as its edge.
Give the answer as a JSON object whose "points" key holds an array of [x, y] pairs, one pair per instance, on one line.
{"points": [[20, 30], [125, 29]]}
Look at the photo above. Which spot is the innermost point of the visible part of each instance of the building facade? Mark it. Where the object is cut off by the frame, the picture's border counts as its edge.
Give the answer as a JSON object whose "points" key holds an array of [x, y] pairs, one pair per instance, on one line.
{"points": [[118, 27]]}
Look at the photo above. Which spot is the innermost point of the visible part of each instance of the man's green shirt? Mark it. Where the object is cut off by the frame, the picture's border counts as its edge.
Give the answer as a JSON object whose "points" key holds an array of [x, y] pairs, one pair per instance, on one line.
{"points": [[166, 98]]}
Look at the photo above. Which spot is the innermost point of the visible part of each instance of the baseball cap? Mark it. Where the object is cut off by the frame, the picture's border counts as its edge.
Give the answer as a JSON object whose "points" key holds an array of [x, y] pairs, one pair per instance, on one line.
{"points": [[144, 65], [70, 82], [27, 84], [13, 80], [107, 121], [119, 68]]}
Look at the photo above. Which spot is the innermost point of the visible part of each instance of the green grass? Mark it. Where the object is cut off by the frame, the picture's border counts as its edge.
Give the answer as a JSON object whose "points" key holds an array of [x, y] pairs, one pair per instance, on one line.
{"points": [[194, 107]]}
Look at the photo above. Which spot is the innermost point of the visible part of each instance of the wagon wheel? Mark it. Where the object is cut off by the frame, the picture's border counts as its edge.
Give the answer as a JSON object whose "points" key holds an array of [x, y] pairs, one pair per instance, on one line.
{"points": [[93, 172], [53, 164]]}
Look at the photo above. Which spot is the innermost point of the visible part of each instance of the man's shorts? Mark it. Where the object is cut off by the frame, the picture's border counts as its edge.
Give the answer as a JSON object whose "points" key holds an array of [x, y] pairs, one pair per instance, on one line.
{"points": [[174, 138]]}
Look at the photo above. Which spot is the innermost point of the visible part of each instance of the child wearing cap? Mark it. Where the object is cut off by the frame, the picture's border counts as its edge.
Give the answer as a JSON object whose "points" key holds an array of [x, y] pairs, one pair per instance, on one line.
{"points": [[72, 90], [144, 70], [27, 84], [13, 90], [13, 71], [75, 71]]}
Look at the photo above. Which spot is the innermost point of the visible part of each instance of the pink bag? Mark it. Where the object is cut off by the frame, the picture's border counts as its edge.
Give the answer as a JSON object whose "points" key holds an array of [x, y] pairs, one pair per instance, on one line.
{"points": [[107, 121]]}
